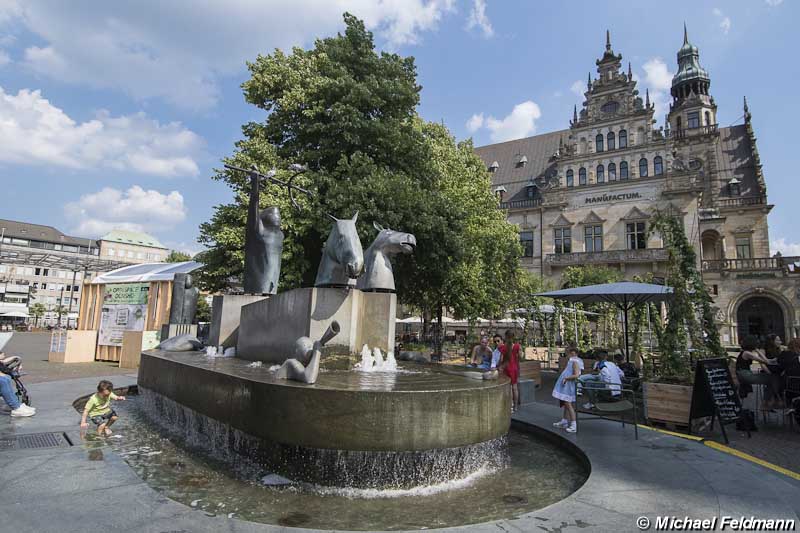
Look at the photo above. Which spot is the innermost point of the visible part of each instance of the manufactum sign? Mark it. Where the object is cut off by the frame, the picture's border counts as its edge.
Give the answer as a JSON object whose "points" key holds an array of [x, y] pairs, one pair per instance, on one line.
{"points": [[629, 194]]}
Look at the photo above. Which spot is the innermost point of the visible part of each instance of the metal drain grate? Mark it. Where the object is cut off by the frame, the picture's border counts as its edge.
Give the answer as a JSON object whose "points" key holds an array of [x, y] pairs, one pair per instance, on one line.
{"points": [[35, 441]]}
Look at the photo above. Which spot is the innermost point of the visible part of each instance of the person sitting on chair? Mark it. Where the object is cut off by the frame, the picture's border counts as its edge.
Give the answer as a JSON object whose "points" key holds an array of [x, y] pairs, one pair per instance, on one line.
{"points": [[606, 377], [747, 377], [18, 409]]}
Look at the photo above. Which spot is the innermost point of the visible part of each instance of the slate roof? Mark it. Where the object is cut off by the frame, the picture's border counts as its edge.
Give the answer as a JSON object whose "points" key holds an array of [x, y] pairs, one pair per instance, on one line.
{"points": [[539, 150], [735, 159], [38, 232]]}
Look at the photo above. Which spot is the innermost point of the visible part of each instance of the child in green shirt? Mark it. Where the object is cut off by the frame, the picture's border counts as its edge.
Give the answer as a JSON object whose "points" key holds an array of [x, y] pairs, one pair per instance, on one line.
{"points": [[98, 408]]}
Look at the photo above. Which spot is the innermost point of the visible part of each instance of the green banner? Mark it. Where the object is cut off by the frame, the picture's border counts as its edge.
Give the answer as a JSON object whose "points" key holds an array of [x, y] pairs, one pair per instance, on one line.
{"points": [[126, 293]]}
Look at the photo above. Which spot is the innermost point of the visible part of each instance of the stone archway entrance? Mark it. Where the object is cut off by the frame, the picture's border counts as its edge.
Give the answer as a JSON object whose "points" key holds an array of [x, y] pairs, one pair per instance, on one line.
{"points": [[760, 316]]}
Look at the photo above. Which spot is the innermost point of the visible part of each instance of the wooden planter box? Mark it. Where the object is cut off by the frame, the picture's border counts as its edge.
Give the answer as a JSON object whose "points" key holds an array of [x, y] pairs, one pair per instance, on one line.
{"points": [[668, 403]]}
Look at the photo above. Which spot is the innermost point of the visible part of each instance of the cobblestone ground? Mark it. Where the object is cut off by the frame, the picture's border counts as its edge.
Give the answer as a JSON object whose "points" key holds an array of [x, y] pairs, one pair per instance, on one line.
{"points": [[776, 440], [33, 349]]}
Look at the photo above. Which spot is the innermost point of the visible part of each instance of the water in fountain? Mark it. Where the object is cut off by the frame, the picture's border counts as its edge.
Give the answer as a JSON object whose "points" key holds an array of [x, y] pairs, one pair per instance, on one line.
{"points": [[227, 484], [376, 354], [366, 359], [373, 361]]}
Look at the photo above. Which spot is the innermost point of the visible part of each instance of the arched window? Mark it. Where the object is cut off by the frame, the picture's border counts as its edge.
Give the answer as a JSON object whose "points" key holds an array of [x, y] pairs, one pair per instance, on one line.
{"points": [[611, 140], [612, 172], [708, 118], [658, 166], [598, 142], [623, 139], [601, 174], [643, 167], [582, 176], [570, 178], [679, 123], [623, 170]]}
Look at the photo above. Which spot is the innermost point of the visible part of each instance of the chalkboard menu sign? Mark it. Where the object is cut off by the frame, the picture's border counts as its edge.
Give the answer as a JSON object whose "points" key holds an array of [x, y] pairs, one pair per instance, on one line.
{"points": [[714, 394]]}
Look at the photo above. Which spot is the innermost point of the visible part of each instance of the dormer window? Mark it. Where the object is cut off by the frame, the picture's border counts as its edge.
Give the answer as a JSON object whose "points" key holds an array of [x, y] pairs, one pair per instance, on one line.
{"points": [[494, 166], [734, 187], [522, 162], [500, 191]]}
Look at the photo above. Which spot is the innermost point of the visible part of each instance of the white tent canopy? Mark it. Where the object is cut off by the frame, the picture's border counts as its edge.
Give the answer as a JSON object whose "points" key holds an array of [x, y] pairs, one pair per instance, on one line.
{"points": [[147, 272], [15, 314]]}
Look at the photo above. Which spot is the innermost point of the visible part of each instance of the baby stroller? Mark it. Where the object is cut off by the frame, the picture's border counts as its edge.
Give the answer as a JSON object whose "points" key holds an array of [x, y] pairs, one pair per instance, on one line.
{"points": [[11, 367]]}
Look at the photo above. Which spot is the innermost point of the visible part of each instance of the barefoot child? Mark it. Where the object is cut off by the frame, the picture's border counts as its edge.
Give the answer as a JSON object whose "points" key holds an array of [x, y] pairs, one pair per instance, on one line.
{"points": [[564, 390], [98, 408]]}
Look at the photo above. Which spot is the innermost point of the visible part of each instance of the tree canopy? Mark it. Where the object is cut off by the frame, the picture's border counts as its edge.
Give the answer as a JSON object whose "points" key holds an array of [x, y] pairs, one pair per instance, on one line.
{"points": [[349, 115], [177, 257]]}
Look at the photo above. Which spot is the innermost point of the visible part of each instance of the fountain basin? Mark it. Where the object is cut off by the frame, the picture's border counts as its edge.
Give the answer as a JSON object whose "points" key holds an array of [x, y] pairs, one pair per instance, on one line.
{"points": [[360, 429]]}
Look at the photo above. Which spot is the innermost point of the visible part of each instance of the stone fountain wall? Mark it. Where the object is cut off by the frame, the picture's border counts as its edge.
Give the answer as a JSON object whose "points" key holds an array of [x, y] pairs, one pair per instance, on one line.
{"points": [[269, 328]]}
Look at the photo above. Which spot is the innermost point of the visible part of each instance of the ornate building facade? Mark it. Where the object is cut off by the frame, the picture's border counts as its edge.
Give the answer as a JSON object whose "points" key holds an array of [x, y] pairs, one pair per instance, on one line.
{"points": [[585, 195]]}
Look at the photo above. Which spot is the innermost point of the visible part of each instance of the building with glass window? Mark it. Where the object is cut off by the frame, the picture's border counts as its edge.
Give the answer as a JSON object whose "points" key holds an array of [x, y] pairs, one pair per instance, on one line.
{"points": [[585, 195], [132, 247], [40, 264]]}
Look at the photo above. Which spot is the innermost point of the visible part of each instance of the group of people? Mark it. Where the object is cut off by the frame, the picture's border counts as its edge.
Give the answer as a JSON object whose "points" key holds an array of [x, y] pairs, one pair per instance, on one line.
{"points": [[778, 366], [607, 379], [498, 358]]}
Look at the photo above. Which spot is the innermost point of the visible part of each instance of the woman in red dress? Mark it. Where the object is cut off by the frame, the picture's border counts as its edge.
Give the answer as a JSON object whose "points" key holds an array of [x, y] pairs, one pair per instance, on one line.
{"points": [[510, 364]]}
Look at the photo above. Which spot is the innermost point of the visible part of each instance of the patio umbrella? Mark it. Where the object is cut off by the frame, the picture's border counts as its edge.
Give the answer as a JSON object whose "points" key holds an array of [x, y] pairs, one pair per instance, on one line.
{"points": [[624, 294]]}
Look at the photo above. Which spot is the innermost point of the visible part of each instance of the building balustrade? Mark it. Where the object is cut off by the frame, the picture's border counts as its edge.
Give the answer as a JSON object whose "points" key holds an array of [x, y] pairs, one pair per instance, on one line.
{"points": [[521, 204], [742, 202], [608, 256], [690, 132], [754, 264]]}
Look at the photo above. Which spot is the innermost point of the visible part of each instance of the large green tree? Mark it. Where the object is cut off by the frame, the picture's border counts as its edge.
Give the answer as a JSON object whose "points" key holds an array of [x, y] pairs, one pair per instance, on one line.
{"points": [[349, 115]]}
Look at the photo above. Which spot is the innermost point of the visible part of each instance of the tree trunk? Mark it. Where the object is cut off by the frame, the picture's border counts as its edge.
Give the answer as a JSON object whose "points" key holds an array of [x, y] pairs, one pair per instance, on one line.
{"points": [[437, 334]]}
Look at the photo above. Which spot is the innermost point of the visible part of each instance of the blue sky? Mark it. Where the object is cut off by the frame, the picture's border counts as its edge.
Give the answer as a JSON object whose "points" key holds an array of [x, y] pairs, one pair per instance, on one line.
{"points": [[113, 113]]}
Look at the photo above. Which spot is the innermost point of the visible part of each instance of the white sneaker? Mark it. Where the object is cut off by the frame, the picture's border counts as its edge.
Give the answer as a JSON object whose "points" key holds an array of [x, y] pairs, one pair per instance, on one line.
{"points": [[588, 406], [23, 410], [572, 429], [561, 424]]}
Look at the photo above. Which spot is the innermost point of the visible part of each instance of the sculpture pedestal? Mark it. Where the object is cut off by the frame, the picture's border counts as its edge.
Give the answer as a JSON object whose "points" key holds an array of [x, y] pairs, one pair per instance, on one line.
{"points": [[173, 330], [225, 316], [269, 328]]}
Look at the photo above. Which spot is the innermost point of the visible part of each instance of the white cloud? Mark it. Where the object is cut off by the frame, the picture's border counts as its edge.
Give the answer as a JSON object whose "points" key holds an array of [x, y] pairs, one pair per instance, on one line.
{"points": [[475, 122], [177, 51], [658, 79], [34, 131], [773, 3], [578, 87], [784, 247], [725, 22], [191, 248], [521, 122], [477, 17], [135, 209]]}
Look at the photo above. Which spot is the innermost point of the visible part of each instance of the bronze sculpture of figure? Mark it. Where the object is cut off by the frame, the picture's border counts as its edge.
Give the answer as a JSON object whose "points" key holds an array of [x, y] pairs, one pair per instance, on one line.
{"points": [[343, 258], [378, 274], [184, 300], [295, 370], [263, 244]]}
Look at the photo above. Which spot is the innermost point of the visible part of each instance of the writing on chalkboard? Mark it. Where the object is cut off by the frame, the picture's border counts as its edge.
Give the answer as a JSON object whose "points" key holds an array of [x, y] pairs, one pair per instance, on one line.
{"points": [[714, 394]]}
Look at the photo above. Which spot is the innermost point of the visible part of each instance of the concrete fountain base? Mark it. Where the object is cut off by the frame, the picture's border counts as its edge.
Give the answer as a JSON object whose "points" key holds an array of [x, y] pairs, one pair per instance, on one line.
{"points": [[350, 428]]}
